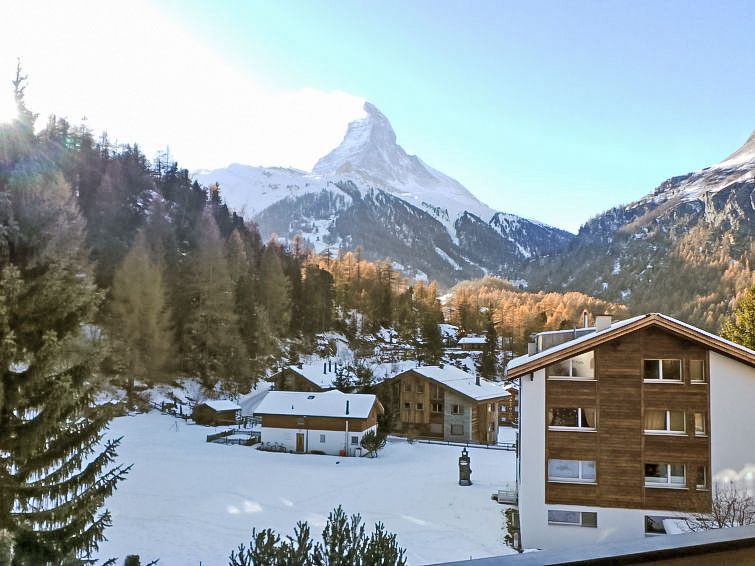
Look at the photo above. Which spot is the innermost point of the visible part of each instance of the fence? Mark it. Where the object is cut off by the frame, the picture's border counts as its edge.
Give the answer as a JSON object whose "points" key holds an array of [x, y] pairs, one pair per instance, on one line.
{"points": [[235, 436], [508, 446]]}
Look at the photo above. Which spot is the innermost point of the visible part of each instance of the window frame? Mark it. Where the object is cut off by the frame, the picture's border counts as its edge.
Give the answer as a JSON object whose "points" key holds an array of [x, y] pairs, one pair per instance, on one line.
{"points": [[660, 378], [668, 484], [571, 376], [704, 420], [580, 479], [436, 406], [667, 417], [582, 522], [706, 484], [322, 438], [704, 380], [454, 409], [419, 406], [579, 427]]}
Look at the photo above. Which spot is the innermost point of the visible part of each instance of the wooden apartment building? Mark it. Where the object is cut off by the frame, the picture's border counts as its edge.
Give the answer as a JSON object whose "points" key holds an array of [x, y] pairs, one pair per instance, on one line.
{"points": [[627, 427]]}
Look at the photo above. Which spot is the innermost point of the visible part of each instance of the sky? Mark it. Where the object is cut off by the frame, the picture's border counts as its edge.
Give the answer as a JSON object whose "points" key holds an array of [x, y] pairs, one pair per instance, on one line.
{"points": [[554, 111]]}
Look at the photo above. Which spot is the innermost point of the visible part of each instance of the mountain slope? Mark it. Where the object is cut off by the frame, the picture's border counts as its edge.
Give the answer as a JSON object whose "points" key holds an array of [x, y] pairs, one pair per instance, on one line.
{"points": [[686, 248], [428, 223]]}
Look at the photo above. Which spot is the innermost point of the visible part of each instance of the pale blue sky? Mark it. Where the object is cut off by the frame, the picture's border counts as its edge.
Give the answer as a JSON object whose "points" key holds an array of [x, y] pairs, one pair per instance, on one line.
{"points": [[552, 110]]}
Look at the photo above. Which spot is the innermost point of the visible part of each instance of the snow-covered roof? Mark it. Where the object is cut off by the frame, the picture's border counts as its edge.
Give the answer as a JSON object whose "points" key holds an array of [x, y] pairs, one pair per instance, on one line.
{"points": [[221, 405], [462, 382], [313, 372], [472, 340], [325, 404], [694, 333]]}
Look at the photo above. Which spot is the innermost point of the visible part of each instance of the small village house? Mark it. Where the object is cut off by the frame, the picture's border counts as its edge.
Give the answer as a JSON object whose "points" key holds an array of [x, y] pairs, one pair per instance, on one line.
{"points": [[472, 343], [327, 422], [313, 376], [216, 412], [444, 402], [629, 427], [508, 407]]}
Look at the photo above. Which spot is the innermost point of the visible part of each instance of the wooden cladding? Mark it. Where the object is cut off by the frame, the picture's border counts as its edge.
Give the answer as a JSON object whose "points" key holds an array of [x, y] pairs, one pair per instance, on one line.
{"points": [[319, 423], [619, 446]]}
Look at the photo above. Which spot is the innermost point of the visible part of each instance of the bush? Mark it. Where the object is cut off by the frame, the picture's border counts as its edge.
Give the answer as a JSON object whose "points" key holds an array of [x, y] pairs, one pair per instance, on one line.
{"points": [[344, 543], [372, 442]]}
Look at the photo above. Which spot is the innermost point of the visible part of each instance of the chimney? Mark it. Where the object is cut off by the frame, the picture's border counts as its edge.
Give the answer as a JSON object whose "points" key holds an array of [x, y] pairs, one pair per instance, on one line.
{"points": [[477, 379], [531, 349], [324, 367], [602, 322], [330, 367], [347, 406], [301, 365], [585, 320], [440, 365]]}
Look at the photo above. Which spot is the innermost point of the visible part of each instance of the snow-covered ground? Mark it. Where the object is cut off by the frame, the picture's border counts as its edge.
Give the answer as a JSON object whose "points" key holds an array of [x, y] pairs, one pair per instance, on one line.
{"points": [[187, 501]]}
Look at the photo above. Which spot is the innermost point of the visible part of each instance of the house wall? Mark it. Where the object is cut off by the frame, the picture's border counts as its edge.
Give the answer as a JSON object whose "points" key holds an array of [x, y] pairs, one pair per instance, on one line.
{"points": [[732, 392], [335, 440], [319, 423], [464, 419]]}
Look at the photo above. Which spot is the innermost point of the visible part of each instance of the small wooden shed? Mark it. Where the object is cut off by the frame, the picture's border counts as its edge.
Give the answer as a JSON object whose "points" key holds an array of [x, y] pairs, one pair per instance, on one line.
{"points": [[216, 412]]}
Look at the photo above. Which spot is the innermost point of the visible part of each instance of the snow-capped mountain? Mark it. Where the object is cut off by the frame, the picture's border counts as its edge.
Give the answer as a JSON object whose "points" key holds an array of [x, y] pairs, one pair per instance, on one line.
{"points": [[369, 192], [686, 248]]}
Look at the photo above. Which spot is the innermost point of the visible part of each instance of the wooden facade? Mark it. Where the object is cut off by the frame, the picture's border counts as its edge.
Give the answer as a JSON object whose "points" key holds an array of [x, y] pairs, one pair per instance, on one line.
{"points": [[619, 444], [430, 409], [206, 415], [508, 408], [322, 423]]}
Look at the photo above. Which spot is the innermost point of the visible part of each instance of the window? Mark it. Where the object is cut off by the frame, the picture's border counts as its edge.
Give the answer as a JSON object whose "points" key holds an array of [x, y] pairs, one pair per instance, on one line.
{"points": [[665, 475], [436, 407], [407, 405], [408, 387], [457, 429], [420, 388], [419, 406], [322, 438], [577, 518], [580, 471], [456, 409], [654, 524], [702, 478], [355, 440], [578, 367], [435, 392], [573, 418], [697, 371], [701, 424], [665, 422], [662, 370]]}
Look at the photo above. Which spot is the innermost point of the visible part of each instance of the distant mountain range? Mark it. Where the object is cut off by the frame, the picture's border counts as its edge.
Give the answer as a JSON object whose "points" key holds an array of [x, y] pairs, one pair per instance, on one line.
{"points": [[369, 192], [685, 249]]}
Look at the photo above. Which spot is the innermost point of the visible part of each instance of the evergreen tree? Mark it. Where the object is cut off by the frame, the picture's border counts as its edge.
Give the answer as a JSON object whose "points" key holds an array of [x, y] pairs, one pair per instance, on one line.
{"points": [[212, 348], [55, 472], [275, 290], [431, 349], [139, 321], [742, 328], [489, 358]]}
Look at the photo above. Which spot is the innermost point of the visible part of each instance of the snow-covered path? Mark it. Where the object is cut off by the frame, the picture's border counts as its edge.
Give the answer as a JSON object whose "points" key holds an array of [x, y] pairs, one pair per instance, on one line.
{"points": [[187, 501]]}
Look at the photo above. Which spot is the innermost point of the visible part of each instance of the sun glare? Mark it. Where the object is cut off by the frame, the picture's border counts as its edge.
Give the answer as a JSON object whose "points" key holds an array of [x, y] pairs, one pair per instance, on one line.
{"points": [[8, 109]]}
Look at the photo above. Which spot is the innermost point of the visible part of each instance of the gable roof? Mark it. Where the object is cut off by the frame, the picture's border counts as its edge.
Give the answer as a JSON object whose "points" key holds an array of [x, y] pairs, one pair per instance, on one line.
{"points": [[472, 339], [313, 372], [325, 404], [527, 364], [461, 382], [221, 405]]}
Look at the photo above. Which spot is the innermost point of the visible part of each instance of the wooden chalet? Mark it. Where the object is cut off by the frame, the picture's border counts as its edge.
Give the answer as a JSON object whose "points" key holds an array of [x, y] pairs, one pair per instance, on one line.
{"points": [[314, 376], [327, 422], [216, 412], [444, 402]]}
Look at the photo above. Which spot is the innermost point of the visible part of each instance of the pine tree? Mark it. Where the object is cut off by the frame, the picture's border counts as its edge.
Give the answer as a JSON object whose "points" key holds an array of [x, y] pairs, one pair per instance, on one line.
{"points": [[212, 347], [742, 329], [55, 471], [275, 290], [139, 321], [489, 358]]}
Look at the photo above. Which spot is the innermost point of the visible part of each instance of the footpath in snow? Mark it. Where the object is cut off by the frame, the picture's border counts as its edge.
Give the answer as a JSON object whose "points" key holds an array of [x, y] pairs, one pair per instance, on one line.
{"points": [[187, 500]]}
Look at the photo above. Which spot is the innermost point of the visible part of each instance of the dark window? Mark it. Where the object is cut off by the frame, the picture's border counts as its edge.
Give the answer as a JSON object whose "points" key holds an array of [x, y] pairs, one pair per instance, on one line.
{"points": [[419, 406], [407, 405], [436, 407], [697, 370], [456, 409], [420, 388], [408, 387], [354, 439]]}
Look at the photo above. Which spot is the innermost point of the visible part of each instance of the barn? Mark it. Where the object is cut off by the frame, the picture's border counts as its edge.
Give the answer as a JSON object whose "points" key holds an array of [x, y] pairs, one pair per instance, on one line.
{"points": [[216, 412]]}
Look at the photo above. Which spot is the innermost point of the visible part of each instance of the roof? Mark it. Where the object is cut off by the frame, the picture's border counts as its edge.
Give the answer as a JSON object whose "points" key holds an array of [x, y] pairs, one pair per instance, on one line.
{"points": [[526, 364], [313, 372], [221, 405], [325, 404], [462, 382], [472, 340]]}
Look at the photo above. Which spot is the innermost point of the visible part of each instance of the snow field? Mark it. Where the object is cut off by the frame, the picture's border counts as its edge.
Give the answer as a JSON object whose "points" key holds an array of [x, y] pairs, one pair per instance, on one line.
{"points": [[187, 501]]}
